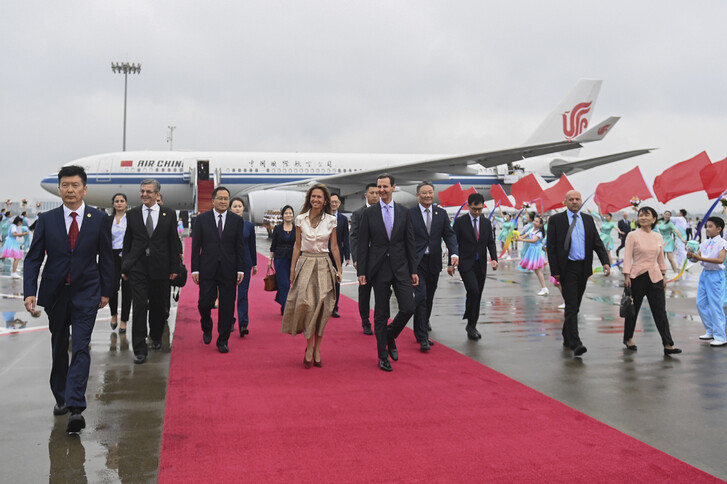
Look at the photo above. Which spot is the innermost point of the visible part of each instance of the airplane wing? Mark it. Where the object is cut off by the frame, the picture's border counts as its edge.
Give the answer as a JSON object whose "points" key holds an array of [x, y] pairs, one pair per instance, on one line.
{"points": [[441, 168], [559, 167]]}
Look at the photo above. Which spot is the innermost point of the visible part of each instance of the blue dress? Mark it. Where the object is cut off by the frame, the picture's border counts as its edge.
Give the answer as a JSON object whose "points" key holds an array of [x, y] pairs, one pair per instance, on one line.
{"points": [[534, 256]]}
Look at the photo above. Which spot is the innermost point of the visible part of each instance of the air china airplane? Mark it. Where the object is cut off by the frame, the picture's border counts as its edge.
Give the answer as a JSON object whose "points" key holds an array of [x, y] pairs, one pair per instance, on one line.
{"points": [[270, 180]]}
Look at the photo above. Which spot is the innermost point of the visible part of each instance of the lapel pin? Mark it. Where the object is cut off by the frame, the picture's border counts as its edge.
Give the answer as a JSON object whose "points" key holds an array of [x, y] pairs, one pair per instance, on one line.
{"points": [[164, 215], [88, 215]]}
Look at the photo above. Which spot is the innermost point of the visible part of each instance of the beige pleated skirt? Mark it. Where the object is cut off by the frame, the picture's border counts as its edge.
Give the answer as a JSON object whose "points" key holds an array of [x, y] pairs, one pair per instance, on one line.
{"points": [[312, 298]]}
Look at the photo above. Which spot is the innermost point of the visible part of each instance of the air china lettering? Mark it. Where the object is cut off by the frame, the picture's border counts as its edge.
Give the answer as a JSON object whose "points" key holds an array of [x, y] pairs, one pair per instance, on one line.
{"points": [[160, 164]]}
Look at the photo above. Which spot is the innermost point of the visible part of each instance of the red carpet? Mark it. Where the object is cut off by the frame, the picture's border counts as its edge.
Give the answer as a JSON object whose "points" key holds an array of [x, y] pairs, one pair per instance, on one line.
{"points": [[256, 415]]}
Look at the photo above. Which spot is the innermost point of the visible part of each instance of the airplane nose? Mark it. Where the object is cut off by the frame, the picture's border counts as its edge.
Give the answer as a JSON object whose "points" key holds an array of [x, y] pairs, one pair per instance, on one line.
{"points": [[50, 183]]}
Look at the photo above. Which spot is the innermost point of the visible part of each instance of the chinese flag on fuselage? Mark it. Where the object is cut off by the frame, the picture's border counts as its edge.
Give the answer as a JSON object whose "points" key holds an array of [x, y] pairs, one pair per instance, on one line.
{"points": [[526, 189], [714, 178], [499, 196], [615, 195], [553, 197], [681, 178]]}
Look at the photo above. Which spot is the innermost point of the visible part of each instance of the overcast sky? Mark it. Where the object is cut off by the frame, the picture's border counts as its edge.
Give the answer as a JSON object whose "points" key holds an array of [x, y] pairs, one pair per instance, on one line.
{"points": [[390, 76]]}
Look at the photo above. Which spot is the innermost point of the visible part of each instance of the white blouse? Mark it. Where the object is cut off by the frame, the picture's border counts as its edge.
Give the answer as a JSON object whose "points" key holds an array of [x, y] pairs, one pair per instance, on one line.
{"points": [[117, 232], [315, 240]]}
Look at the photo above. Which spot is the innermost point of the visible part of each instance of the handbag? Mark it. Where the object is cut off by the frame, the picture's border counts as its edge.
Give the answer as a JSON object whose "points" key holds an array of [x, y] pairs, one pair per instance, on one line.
{"points": [[626, 310], [271, 283], [181, 278]]}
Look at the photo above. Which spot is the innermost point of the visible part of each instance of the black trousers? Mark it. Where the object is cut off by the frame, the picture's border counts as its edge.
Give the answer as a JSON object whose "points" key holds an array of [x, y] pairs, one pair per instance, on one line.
{"points": [[573, 281], [382, 284], [623, 244], [364, 302], [474, 283], [68, 382], [208, 290], [148, 296], [119, 283], [424, 298], [654, 291]]}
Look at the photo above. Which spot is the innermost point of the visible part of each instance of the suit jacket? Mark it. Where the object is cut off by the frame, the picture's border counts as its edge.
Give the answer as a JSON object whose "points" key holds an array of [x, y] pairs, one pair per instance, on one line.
{"points": [[374, 244], [248, 241], [353, 234], [163, 245], [470, 246], [210, 253], [557, 255], [625, 227], [90, 263], [282, 247], [341, 238], [441, 229]]}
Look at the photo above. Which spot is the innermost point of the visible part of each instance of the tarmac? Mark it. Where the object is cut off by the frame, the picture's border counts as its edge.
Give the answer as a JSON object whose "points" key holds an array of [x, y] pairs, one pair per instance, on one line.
{"points": [[677, 404]]}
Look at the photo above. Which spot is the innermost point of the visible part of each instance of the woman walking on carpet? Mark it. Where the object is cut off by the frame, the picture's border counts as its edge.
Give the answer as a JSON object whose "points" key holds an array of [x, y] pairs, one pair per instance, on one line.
{"points": [[313, 278], [117, 224], [281, 254]]}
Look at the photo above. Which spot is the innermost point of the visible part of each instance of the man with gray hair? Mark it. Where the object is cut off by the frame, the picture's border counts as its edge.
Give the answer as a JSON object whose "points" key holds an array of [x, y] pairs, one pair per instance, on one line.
{"points": [[150, 261]]}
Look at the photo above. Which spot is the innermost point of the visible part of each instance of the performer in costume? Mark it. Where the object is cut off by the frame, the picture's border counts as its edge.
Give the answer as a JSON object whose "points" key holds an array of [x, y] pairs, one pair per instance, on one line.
{"points": [[668, 231], [607, 226], [534, 257], [507, 228]]}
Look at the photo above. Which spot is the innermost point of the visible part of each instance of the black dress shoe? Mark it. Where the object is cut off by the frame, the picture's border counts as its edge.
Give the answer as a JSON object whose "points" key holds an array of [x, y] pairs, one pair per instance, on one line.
{"points": [[673, 351], [579, 350], [207, 338], [425, 345], [76, 422], [631, 347], [244, 331], [139, 359], [223, 348], [156, 345], [335, 314], [391, 348], [472, 335], [122, 330], [429, 327], [367, 330], [385, 365], [431, 343], [60, 409], [477, 333]]}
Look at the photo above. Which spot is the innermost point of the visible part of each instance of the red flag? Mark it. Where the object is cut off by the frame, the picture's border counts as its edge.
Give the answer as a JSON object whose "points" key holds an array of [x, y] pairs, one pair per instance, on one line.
{"points": [[714, 178], [127, 163], [452, 196], [681, 178], [499, 195], [526, 190], [554, 196], [615, 195]]}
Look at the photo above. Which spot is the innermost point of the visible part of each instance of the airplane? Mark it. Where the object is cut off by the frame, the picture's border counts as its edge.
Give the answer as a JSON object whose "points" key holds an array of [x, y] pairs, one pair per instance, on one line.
{"points": [[268, 180]]}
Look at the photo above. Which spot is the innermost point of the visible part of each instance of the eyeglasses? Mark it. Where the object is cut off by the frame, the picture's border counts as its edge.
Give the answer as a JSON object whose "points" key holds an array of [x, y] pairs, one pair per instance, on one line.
{"points": [[222, 199]]}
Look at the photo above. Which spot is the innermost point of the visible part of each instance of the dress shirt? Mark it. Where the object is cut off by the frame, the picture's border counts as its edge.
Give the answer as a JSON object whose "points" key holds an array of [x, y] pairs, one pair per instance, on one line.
{"points": [[79, 219], [578, 238], [315, 240], [217, 218], [154, 214], [644, 253], [424, 209], [117, 232], [391, 211]]}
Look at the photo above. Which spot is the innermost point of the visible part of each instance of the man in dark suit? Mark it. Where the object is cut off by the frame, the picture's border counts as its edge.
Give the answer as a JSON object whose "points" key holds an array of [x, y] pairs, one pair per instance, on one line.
{"points": [[250, 268], [386, 259], [625, 227], [150, 261], [572, 238], [364, 291], [218, 261], [431, 225], [342, 239], [476, 238], [75, 242]]}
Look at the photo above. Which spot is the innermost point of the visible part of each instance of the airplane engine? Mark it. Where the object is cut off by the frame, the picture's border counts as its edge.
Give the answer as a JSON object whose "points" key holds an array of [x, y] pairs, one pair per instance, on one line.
{"points": [[262, 201]]}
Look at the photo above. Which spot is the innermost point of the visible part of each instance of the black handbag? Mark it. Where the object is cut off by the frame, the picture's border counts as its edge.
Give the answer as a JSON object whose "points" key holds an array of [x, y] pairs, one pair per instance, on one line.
{"points": [[181, 278], [627, 304]]}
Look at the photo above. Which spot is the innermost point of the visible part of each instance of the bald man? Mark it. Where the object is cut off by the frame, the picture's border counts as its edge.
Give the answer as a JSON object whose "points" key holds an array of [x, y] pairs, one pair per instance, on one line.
{"points": [[572, 239]]}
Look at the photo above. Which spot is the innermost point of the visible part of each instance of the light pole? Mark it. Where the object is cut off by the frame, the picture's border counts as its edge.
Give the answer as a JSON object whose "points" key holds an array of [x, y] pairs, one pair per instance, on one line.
{"points": [[126, 69], [170, 137]]}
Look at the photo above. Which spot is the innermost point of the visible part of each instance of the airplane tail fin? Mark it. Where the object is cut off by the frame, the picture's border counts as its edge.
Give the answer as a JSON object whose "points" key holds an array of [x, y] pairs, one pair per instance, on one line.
{"points": [[571, 117]]}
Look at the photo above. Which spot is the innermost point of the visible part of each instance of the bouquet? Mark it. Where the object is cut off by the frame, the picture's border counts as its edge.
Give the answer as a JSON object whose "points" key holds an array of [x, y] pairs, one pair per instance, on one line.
{"points": [[723, 201], [635, 202]]}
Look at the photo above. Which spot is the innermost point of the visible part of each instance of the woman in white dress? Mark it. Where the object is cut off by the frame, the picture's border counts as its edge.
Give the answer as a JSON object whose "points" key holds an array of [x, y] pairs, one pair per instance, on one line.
{"points": [[313, 278]]}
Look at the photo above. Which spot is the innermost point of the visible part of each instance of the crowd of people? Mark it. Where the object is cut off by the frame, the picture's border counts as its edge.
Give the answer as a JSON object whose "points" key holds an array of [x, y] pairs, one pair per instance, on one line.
{"points": [[137, 252]]}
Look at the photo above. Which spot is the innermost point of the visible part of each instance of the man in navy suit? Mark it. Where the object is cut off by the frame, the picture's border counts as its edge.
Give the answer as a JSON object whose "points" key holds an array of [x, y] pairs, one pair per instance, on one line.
{"points": [[476, 238], [364, 291], [431, 225], [77, 279], [572, 239], [386, 259], [343, 248], [250, 268], [218, 261]]}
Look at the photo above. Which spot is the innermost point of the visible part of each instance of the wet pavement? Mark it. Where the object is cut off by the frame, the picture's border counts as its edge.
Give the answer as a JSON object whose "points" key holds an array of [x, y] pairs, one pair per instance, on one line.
{"points": [[676, 404]]}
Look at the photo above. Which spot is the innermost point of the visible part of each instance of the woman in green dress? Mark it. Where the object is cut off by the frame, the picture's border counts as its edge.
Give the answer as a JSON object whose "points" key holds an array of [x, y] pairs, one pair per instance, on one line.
{"points": [[668, 231], [607, 226], [507, 228]]}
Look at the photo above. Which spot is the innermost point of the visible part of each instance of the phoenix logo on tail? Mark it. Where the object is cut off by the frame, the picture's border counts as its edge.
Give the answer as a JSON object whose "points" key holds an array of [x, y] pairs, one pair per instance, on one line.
{"points": [[575, 124]]}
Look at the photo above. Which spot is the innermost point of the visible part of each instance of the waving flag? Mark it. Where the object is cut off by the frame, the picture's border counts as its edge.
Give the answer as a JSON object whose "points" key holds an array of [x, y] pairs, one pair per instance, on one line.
{"points": [[554, 196], [615, 195], [454, 196], [682, 178], [526, 189], [714, 178], [499, 195]]}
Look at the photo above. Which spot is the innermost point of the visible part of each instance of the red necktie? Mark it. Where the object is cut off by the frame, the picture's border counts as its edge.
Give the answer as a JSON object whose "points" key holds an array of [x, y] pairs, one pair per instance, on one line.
{"points": [[72, 237]]}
